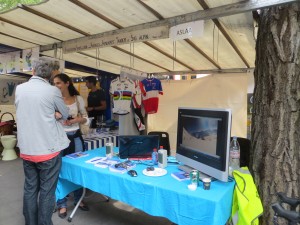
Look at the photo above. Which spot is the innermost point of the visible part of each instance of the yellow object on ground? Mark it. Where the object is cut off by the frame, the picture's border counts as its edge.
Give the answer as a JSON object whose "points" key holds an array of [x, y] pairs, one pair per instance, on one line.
{"points": [[246, 206]]}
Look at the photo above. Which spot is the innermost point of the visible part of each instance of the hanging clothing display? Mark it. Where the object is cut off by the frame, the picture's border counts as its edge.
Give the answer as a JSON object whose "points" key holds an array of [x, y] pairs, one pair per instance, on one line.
{"points": [[151, 89], [122, 90], [137, 102], [127, 124], [137, 98]]}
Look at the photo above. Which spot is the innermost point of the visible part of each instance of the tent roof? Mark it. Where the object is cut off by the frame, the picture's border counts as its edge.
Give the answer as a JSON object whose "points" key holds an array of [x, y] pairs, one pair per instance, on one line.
{"points": [[228, 42]]}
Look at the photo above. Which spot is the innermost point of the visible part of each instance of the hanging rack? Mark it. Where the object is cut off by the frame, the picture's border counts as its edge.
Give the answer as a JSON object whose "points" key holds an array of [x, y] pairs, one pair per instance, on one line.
{"points": [[174, 54], [133, 74], [131, 56], [150, 76], [98, 63], [217, 47]]}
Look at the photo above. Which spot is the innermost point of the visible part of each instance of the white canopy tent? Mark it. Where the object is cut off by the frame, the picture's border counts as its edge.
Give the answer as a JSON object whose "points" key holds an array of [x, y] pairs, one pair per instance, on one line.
{"points": [[227, 44]]}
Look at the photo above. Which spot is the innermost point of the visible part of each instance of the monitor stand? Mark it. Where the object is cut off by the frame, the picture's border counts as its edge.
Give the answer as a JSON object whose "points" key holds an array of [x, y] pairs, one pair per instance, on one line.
{"points": [[188, 169]]}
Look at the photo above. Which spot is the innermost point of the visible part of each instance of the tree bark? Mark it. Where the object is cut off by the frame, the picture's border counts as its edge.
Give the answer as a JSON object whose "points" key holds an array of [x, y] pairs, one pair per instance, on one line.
{"points": [[275, 157]]}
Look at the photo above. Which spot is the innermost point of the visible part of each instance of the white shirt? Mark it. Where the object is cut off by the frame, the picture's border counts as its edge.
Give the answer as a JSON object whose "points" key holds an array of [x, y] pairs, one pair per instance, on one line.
{"points": [[73, 111], [122, 91]]}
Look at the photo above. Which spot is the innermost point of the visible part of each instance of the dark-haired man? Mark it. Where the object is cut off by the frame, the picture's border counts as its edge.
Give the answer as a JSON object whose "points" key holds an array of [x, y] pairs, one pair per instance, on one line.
{"points": [[96, 100]]}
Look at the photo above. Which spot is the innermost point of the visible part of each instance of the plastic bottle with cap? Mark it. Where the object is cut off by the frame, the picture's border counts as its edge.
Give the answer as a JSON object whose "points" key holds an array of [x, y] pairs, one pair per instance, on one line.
{"points": [[154, 156], [234, 155], [161, 148]]}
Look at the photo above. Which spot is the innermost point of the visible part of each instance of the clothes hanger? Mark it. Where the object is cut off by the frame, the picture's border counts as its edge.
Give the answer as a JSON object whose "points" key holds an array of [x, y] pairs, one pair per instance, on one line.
{"points": [[150, 76]]}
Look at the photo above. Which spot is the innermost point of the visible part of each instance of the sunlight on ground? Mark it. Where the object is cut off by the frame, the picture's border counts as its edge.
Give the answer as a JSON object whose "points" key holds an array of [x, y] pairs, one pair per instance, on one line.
{"points": [[123, 206]]}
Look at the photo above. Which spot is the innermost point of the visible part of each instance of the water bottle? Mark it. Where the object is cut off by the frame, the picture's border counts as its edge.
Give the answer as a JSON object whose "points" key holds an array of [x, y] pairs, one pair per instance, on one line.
{"points": [[234, 155], [154, 156]]}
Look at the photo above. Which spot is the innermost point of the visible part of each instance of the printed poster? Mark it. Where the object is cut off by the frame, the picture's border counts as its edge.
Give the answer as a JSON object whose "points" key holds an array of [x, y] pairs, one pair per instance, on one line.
{"points": [[28, 55], [13, 62], [3, 59], [60, 61], [7, 90]]}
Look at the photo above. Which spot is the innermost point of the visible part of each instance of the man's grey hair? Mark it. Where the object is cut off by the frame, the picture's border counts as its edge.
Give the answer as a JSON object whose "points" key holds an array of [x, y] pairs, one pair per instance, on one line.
{"points": [[43, 67]]}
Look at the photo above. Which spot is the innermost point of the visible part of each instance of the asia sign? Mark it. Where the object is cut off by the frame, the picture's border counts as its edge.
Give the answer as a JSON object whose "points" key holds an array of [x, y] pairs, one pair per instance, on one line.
{"points": [[115, 38], [187, 30]]}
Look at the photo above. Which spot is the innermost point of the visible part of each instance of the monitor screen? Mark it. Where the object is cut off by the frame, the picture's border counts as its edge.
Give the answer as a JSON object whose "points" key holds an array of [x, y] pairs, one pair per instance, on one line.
{"points": [[137, 146], [203, 137]]}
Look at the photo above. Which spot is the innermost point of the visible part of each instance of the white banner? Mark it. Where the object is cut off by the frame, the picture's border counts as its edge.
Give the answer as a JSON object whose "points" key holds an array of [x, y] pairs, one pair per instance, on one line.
{"points": [[28, 55], [101, 41], [13, 62], [187, 30]]}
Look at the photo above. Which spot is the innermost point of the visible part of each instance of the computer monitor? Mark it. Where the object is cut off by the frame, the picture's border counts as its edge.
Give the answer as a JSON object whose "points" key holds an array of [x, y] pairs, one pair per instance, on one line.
{"points": [[203, 138], [137, 146]]}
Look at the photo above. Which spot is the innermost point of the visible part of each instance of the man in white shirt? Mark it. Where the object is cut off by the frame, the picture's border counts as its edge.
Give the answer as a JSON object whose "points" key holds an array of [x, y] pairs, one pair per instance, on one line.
{"points": [[40, 138]]}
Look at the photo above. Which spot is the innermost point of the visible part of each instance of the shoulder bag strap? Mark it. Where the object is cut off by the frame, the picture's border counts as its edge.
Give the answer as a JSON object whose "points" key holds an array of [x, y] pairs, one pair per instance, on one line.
{"points": [[78, 106]]}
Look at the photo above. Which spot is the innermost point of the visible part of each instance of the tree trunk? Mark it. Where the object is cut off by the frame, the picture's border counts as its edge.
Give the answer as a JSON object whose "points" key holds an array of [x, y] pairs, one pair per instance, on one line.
{"points": [[275, 159]]}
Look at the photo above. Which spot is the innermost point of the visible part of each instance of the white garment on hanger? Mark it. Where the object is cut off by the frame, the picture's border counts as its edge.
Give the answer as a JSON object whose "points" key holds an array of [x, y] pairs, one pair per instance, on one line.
{"points": [[127, 124], [122, 90]]}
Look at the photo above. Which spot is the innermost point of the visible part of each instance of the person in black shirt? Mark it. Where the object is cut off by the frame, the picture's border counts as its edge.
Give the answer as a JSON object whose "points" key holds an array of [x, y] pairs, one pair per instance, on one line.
{"points": [[96, 100]]}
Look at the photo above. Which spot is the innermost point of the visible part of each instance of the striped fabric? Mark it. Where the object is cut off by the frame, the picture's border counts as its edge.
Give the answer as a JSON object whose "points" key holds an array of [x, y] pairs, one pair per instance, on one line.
{"points": [[98, 142]]}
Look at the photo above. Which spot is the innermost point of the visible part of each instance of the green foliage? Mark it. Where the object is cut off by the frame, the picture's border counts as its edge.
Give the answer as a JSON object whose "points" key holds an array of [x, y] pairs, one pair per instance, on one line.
{"points": [[10, 4]]}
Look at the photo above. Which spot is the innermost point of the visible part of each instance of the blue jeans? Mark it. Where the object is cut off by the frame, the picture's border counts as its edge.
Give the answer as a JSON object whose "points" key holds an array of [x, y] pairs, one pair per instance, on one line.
{"points": [[39, 190], [62, 203], [78, 145]]}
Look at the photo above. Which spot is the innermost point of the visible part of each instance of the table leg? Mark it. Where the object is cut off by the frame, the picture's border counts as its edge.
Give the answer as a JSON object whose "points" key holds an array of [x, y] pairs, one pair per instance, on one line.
{"points": [[77, 205]]}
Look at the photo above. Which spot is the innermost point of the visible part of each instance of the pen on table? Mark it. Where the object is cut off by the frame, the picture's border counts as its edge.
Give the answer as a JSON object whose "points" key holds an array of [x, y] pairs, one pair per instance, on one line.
{"points": [[96, 160]]}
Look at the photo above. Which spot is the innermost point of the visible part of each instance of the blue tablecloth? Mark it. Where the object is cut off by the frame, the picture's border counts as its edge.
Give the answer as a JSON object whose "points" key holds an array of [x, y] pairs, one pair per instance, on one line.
{"points": [[158, 196]]}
